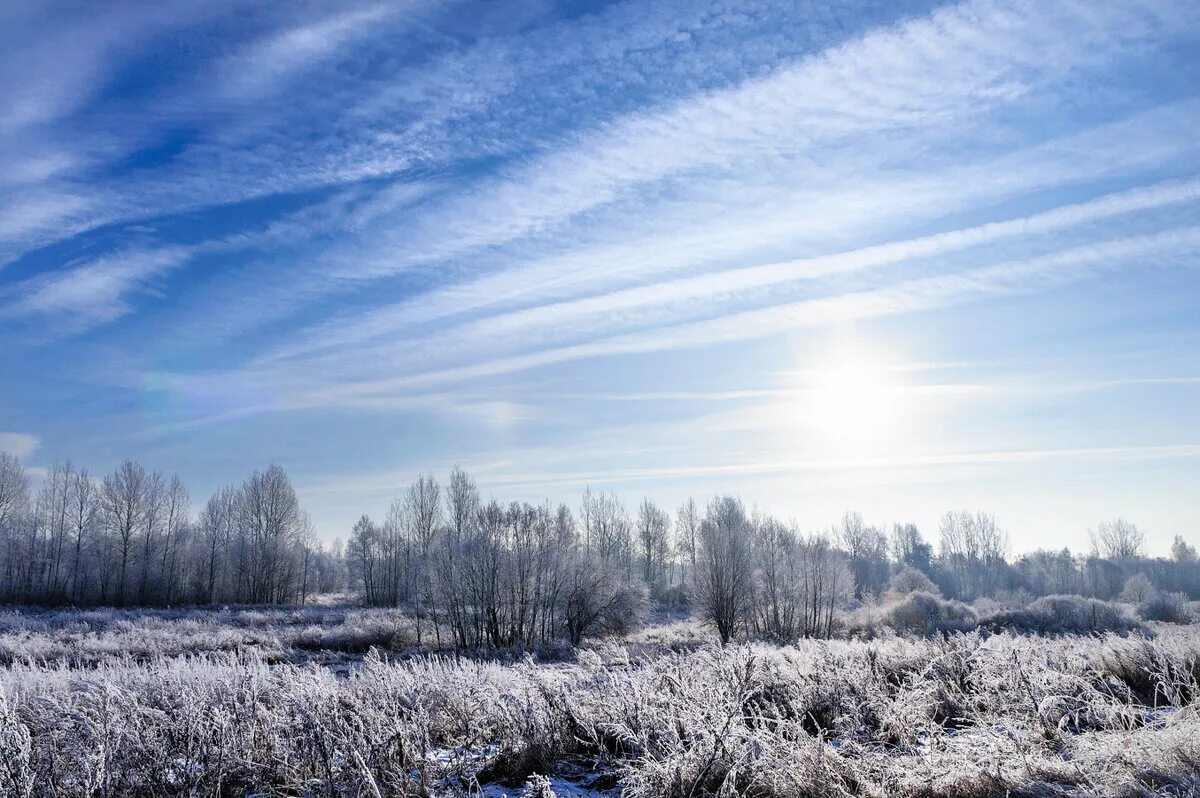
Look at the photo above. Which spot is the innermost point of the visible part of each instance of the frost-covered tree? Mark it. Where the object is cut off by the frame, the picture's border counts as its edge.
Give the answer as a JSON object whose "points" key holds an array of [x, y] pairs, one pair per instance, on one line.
{"points": [[799, 583], [1138, 588], [973, 551], [866, 547], [1117, 540], [124, 502], [213, 546], [654, 541], [723, 583], [14, 487], [1182, 551], [909, 548], [271, 524]]}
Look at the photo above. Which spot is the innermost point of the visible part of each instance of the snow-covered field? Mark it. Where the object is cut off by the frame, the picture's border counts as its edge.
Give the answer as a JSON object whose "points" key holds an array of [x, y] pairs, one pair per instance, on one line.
{"points": [[224, 703]]}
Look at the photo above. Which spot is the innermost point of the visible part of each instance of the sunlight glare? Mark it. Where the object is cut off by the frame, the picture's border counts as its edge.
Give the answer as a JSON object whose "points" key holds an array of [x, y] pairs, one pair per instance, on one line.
{"points": [[855, 396]]}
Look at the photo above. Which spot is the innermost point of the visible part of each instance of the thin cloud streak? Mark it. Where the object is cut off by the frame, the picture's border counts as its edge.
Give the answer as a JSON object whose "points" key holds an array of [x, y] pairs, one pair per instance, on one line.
{"points": [[97, 292], [560, 277], [725, 285], [905, 297], [498, 476], [887, 81]]}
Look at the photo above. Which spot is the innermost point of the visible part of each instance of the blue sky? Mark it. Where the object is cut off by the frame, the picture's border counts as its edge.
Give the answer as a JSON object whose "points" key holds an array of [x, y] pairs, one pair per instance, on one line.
{"points": [[895, 258]]}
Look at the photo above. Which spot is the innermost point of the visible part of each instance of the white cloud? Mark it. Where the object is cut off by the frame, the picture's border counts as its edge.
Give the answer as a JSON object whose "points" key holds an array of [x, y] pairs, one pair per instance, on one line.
{"points": [[696, 296], [21, 444], [907, 296], [408, 106], [838, 199], [933, 73], [96, 292], [262, 67], [508, 473]]}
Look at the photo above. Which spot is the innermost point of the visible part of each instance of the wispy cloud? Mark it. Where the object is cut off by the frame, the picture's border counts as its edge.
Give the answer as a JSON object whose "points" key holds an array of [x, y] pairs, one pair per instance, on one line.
{"points": [[421, 101], [264, 65], [663, 302], [840, 200], [501, 475], [21, 444], [908, 296], [99, 291]]}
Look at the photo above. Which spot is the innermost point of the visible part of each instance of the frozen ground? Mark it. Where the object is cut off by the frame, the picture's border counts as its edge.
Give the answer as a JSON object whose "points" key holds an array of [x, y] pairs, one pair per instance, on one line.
{"points": [[662, 713]]}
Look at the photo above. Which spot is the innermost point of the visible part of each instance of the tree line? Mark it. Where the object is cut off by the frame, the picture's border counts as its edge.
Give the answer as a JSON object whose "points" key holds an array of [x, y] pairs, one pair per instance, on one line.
{"points": [[481, 573], [475, 572], [131, 538]]}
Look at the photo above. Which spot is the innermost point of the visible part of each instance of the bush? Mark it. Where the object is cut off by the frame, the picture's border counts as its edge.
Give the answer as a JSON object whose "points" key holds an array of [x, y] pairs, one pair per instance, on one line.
{"points": [[626, 612], [1165, 607], [926, 614], [1138, 588], [596, 604], [1054, 615], [910, 580]]}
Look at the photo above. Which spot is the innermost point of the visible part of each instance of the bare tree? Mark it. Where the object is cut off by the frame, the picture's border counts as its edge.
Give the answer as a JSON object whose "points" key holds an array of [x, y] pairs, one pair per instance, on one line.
{"points": [[46, 561], [176, 525], [723, 579], [1182, 551], [424, 504], [363, 559], [152, 519], [827, 583], [216, 535], [866, 546], [14, 487], [85, 507], [270, 513], [607, 530], [423, 512], [973, 548], [653, 536], [124, 499], [909, 548], [594, 602], [776, 614], [687, 531], [462, 509], [1117, 540], [14, 504]]}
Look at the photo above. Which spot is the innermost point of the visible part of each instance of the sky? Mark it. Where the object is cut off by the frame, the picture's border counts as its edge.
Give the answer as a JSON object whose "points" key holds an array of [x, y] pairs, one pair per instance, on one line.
{"points": [[890, 257]]}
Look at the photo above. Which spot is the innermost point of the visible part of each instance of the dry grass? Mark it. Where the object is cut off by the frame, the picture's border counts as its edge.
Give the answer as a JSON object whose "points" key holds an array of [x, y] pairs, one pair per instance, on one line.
{"points": [[89, 637], [658, 716]]}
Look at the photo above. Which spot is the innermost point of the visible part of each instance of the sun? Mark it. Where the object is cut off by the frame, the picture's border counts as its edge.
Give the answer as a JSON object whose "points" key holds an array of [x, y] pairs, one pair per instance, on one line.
{"points": [[854, 396]]}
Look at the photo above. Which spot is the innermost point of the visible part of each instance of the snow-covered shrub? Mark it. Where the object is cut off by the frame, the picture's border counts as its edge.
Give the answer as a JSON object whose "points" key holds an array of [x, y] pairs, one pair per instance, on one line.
{"points": [[1164, 607], [910, 580], [598, 604], [360, 631], [985, 606], [1065, 615], [926, 614]]}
